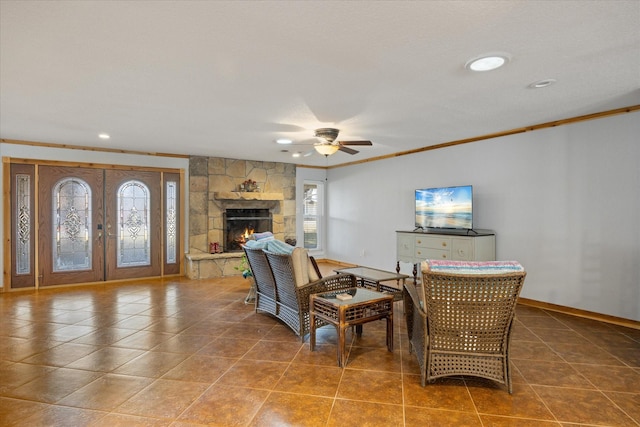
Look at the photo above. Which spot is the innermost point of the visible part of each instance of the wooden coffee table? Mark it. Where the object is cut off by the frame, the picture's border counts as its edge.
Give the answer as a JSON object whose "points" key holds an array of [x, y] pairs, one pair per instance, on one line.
{"points": [[373, 278], [364, 306]]}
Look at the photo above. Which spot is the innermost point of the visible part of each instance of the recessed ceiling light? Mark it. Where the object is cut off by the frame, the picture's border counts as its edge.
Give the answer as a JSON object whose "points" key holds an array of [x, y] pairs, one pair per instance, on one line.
{"points": [[542, 83], [104, 136], [487, 62], [284, 141], [296, 154]]}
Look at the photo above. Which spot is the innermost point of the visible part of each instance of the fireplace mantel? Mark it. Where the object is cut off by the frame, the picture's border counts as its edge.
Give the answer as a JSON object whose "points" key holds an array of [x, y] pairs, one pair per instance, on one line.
{"points": [[246, 195]]}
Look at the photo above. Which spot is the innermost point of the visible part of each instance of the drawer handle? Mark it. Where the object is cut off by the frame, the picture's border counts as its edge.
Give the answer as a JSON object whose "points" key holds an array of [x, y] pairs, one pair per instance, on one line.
{"points": [[444, 256], [444, 244], [419, 241], [419, 253]]}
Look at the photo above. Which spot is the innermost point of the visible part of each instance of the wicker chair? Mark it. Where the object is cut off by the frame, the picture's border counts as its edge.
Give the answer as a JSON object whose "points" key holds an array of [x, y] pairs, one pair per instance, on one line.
{"points": [[266, 294], [293, 300], [466, 323]]}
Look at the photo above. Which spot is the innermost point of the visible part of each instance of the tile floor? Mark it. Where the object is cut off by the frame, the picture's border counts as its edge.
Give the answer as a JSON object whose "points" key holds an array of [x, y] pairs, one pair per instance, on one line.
{"points": [[189, 353]]}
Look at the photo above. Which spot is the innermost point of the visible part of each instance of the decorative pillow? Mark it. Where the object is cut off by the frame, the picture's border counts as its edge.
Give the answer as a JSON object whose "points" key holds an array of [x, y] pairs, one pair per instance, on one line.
{"points": [[260, 236], [471, 267], [300, 257], [279, 247], [254, 244]]}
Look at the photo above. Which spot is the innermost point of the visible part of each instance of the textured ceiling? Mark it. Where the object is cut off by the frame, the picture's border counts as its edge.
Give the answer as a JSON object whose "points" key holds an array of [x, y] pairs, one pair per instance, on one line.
{"points": [[218, 78]]}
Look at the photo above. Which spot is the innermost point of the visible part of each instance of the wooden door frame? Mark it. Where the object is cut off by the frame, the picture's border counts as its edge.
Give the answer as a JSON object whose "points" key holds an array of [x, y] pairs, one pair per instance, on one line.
{"points": [[7, 240]]}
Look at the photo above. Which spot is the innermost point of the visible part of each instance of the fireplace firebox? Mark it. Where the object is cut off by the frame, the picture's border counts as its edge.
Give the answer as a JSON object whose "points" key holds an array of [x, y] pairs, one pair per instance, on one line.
{"points": [[239, 224]]}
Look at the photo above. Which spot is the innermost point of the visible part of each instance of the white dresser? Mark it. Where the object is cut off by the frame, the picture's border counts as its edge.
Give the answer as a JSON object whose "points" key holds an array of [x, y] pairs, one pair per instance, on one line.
{"points": [[416, 246]]}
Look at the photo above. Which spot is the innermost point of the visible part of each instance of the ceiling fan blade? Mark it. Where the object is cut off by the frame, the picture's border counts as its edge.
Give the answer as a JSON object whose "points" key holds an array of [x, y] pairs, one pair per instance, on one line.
{"points": [[348, 150], [355, 142]]}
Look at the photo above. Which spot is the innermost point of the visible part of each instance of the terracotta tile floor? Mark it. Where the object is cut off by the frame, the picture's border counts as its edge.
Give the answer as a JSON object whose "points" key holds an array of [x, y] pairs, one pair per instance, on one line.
{"points": [[187, 353]]}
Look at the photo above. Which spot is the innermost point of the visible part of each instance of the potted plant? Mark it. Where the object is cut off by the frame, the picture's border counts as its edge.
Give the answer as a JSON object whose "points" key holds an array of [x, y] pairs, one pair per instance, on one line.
{"points": [[246, 273], [244, 267]]}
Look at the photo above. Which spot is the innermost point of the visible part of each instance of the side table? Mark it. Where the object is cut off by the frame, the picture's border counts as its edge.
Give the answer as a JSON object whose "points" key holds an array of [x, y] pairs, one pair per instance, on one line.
{"points": [[363, 306], [373, 278]]}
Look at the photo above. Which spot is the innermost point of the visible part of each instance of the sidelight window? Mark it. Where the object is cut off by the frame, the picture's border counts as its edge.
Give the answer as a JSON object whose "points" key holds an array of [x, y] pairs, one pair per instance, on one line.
{"points": [[23, 223], [171, 226], [312, 214]]}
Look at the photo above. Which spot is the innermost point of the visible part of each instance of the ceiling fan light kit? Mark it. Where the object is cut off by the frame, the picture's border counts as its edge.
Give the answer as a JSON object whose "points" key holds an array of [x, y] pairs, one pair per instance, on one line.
{"points": [[330, 134], [326, 149], [331, 146]]}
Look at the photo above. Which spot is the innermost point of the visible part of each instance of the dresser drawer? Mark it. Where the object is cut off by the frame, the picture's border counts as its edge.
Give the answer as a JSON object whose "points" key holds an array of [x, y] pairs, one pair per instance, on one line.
{"points": [[433, 242], [428, 253]]}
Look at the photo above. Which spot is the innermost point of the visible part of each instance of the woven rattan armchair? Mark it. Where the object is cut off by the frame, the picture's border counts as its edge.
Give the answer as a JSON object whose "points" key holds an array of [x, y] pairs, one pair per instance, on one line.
{"points": [[266, 295], [462, 324], [293, 300]]}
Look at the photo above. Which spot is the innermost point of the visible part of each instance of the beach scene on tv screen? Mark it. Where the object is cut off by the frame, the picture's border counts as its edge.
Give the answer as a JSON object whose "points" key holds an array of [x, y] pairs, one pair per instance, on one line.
{"points": [[449, 207]]}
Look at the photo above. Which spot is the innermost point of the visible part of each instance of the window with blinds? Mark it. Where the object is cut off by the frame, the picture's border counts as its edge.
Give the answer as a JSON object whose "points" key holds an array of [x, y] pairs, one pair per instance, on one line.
{"points": [[312, 214]]}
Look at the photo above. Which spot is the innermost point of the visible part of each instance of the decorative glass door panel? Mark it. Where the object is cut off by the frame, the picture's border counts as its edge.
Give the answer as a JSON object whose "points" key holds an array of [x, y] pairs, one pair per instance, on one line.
{"points": [[72, 228], [70, 236], [133, 224]]}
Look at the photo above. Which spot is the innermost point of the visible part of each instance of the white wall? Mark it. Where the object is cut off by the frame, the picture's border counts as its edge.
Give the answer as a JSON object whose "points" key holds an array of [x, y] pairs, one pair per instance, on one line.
{"points": [[85, 156], [563, 201]]}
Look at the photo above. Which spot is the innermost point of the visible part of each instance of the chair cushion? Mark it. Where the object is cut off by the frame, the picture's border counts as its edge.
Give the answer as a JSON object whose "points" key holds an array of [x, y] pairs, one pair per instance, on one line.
{"points": [[302, 267], [471, 267], [300, 258]]}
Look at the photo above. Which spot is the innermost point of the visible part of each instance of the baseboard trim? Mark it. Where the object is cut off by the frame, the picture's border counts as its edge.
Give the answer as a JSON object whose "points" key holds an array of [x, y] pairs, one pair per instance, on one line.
{"points": [[620, 321]]}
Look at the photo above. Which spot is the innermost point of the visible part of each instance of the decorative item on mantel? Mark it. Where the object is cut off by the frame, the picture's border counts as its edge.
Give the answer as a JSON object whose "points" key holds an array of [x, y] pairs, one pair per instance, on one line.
{"points": [[249, 186]]}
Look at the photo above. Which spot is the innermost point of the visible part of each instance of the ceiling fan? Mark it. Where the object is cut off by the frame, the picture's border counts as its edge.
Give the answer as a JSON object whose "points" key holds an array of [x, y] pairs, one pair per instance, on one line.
{"points": [[331, 145]]}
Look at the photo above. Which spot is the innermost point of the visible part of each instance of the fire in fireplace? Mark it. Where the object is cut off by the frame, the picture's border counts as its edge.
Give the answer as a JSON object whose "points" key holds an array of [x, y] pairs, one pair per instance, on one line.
{"points": [[240, 223]]}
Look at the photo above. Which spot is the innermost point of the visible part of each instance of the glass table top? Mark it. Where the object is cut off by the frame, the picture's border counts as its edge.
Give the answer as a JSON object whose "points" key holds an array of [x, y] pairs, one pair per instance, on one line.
{"points": [[358, 295], [371, 273]]}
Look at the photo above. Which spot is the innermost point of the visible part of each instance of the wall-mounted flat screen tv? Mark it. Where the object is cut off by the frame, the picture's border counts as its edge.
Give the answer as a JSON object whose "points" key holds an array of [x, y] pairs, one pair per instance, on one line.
{"points": [[445, 207]]}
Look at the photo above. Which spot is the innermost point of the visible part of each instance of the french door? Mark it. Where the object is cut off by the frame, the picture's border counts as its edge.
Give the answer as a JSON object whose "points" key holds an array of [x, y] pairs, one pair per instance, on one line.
{"points": [[93, 225], [132, 224], [70, 214]]}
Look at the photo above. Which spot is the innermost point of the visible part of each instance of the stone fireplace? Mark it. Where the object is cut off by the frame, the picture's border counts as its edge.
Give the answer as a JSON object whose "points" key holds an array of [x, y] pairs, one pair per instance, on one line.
{"points": [[214, 188]]}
